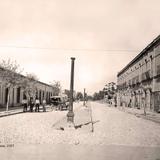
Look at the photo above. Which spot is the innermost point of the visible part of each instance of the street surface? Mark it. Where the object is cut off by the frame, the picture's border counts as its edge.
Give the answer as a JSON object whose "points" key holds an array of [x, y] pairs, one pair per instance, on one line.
{"points": [[116, 135]]}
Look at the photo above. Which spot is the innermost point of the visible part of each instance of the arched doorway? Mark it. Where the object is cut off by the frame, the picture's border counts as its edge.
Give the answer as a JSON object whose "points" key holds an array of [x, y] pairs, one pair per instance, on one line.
{"points": [[133, 99], [148, 99], [6, 95], [18, 94]]}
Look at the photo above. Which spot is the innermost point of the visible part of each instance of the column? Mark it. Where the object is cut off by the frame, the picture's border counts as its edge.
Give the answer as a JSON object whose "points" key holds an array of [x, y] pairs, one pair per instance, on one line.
{"points": [[70, 115]]}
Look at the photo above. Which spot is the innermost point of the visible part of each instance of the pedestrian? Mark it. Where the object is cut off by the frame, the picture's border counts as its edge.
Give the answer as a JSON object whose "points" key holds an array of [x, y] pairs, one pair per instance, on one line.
{"points": [[115, 101], [31, 103], [130, 102], [44, 105], [24, 103], [37, 103]]}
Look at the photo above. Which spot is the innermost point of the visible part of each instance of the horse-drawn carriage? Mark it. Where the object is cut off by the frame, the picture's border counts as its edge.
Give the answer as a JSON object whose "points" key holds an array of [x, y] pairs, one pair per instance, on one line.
{"points": [[60, 102]]}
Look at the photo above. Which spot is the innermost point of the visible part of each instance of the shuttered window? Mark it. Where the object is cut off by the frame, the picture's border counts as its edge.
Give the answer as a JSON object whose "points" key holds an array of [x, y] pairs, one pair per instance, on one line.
{"points": [[0, 94], [158, 70]]}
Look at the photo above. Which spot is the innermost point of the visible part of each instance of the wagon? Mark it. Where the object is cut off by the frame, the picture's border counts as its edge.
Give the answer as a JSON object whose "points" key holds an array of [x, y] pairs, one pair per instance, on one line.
{"points": [[59, 102]]}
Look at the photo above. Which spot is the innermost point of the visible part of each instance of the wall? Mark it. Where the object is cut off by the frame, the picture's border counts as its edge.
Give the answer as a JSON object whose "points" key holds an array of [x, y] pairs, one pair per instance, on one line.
{"points": [[139, 83], [44, 91]]}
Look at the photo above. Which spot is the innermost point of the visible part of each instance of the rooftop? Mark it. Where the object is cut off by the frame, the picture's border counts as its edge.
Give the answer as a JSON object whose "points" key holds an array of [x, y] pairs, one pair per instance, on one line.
{"points": [[151, 45]]}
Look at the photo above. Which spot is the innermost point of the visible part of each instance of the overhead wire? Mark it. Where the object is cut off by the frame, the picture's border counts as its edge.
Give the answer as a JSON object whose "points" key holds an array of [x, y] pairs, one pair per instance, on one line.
{"points": [[71, 49]]}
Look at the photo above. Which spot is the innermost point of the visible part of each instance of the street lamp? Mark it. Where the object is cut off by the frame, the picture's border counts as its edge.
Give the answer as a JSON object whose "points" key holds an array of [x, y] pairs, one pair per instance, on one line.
{"points": [[70, 115]]}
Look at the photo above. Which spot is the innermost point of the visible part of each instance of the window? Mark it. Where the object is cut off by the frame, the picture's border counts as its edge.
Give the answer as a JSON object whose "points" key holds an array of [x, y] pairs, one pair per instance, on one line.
{"points": [[18, 94], [0, 93], [158, 70], [6, 95], [43, 94], [143, 76], [40, 95], [148, 75], [24, 95], [36, 94], [13, 96]]}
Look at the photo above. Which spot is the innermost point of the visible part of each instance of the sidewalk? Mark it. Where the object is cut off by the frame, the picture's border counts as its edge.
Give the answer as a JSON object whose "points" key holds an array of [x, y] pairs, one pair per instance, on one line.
{"points": [[152, 116], [13, 110]]}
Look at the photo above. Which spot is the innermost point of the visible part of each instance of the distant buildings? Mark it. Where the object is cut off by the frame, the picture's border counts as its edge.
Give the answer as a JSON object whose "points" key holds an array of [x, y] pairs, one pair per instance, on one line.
{"points": [[139, 82]]}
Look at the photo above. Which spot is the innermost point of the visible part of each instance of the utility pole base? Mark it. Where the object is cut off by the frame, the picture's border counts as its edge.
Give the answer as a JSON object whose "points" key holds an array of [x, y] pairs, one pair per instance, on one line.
{"points": [[70, 117]]}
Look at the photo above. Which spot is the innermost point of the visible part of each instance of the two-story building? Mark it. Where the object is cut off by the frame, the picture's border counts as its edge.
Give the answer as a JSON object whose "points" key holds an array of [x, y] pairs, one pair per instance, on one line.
{"points": [[139, 81]]}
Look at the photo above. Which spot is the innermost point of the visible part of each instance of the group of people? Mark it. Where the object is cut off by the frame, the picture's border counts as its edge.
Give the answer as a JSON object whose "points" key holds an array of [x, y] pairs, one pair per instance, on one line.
{"points": [[33, 103]]}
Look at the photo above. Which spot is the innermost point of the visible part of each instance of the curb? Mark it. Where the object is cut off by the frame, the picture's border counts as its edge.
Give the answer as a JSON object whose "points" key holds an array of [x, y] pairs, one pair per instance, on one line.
{"points": [[140, 116], [10, 113]]}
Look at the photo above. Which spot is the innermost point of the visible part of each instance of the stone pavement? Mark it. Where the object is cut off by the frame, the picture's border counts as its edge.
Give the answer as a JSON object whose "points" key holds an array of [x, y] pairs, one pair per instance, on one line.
{"points": [[152, 116]]}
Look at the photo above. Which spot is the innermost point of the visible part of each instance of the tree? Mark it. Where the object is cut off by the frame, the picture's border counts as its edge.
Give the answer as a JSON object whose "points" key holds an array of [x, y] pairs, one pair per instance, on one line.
{"points": [[67, 92], [110, 89], [56, 88], [10, 75], [89, 97], [28, 84], [95, 96], [79, 96], [101, 95]]}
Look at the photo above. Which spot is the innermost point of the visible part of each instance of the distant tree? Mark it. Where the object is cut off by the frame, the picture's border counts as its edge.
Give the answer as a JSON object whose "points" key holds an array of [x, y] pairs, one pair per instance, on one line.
{"points": [[32, 76], [95, 96], [67, 92], [89, 97], [110, 89], [56, 88], [79, 96], [10, 75], [100, 95]]}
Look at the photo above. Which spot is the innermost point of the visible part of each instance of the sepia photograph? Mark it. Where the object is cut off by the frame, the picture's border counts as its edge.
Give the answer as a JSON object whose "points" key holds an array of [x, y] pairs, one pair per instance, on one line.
{"points": [[79, 80]]}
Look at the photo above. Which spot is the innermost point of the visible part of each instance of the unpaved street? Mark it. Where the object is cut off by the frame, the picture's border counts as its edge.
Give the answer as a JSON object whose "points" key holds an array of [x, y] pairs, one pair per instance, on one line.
{"points": [[117, 135], [117, 127]]}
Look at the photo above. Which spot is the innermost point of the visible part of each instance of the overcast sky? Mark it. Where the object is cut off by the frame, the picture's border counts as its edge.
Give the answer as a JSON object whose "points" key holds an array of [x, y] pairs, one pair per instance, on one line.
{"points": [[103, 35]]}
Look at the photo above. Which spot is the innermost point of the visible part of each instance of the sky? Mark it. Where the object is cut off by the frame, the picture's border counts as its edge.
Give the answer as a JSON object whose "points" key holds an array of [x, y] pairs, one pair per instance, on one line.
{"points": [[103, 36]]}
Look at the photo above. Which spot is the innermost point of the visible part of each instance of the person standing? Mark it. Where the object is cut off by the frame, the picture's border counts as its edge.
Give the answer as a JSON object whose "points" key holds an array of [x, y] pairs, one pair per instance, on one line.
{"points": [[44, 105], [31, 104], [37, 103], [24, 103]]}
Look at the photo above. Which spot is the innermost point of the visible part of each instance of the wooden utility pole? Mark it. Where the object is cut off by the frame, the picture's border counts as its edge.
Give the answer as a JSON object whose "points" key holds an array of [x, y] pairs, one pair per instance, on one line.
{"points": [[84, 96]]}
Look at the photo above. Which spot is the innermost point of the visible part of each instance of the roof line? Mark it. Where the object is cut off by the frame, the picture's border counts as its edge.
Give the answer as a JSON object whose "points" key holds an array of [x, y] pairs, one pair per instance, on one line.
{"points": [[155, 41], [27, 77]]}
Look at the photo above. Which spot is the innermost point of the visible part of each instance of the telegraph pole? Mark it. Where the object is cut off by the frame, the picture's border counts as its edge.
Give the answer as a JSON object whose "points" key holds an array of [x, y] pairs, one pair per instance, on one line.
{"points": [[84, 96], [70, 115]]}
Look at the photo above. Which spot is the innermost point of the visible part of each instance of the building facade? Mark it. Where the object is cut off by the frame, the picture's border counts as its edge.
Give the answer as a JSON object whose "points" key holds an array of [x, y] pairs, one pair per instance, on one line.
{"points": [[43, 91], [139, 82]]}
